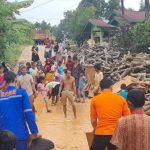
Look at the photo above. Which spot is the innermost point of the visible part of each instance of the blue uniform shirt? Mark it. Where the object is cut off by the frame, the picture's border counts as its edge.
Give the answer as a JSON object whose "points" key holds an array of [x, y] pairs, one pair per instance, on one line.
{"points": [[16, 113], [123, 93]]}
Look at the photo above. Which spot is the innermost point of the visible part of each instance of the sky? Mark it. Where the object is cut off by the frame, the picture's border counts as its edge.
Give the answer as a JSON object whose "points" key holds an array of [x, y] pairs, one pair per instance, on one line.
{"points": [[52, 11]]}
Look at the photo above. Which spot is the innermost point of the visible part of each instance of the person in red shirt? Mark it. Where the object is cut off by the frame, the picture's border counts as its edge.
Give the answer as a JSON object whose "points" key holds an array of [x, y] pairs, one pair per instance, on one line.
{"points": [[69, 64], [46, 41]]}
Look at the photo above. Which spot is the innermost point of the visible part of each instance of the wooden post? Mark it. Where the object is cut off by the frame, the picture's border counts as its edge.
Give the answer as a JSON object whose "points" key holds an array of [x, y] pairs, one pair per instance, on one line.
{"points": [[147, 10], [122, 7]]}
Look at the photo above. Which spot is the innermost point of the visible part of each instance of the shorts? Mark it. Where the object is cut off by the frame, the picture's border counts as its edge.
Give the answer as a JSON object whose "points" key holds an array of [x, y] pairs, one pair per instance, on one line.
{"points": [[21, 145], [55, 90], [67, 95]]}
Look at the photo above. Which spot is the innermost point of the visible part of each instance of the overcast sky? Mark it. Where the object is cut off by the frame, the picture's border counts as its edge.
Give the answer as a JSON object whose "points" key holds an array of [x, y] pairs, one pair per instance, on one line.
{"points": [[52, 10]]}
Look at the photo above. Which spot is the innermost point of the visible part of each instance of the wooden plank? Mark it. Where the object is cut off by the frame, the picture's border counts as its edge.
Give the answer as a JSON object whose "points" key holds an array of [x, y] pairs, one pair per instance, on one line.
{"points": [[90, 73]]}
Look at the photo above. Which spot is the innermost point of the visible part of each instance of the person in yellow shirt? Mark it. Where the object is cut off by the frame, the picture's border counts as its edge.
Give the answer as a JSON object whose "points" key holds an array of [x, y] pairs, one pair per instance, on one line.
{"points": [[106, 108], [49, 76]]}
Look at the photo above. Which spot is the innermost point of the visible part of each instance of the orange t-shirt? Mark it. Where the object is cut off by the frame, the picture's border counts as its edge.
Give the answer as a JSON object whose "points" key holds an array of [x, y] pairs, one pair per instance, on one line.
{"points": [[107, 108]]}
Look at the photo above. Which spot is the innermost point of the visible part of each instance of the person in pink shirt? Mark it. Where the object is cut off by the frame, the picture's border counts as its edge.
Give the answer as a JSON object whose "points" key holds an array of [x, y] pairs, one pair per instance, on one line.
{"points": [[42, 89]]}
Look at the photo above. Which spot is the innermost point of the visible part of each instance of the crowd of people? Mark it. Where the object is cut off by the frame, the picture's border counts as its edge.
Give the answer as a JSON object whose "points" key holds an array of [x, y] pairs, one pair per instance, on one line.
{"points": [[56, 79], [118, 120]]}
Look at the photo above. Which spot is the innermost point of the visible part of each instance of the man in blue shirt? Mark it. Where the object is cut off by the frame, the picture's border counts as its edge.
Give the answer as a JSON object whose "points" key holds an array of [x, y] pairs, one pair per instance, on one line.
{"points": [[16, 113]]}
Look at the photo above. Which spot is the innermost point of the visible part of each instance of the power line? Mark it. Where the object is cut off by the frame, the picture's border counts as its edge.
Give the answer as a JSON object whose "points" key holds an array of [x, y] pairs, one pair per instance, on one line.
{"points": [[42, 4], [53, 18]]}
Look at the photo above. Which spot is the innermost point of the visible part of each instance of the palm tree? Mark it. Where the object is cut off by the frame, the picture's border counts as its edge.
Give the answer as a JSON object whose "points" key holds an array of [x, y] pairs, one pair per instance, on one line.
{"points": [[147, 7], [122, 7]]}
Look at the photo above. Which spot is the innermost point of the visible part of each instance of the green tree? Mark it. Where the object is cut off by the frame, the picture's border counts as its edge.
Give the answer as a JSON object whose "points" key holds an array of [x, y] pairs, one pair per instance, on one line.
{"points": [[142, 5], [12, 31], [43, 25], [140, 37], [111, 6], [76, 20], [100, 6], [58, 30]]}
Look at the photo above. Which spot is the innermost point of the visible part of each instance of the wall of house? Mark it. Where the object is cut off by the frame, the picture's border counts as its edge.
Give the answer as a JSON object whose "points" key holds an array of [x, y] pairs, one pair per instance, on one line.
{"points": [[96, 34]]}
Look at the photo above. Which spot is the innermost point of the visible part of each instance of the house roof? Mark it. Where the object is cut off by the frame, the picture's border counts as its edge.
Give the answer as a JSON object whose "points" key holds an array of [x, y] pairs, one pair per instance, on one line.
{"points": [[100, 22], [132, 16]]}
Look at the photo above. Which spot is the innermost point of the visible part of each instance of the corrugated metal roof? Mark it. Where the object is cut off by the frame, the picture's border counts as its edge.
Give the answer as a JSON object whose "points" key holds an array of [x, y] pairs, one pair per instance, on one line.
{"points": [[132, 16], [100, 22]]}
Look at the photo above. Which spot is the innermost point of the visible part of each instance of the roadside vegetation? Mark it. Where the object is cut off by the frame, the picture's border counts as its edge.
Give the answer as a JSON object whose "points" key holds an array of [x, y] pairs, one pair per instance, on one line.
{"points": [[13, 32]]}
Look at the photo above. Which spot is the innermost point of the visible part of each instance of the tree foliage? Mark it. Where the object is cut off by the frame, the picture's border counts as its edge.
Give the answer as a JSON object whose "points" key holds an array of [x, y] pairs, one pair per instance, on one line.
{"points": [[100, 6], [76, 20], [12, 31], [134, 38], [141, 37], [111, 6], [43, 25], [142, 6]]}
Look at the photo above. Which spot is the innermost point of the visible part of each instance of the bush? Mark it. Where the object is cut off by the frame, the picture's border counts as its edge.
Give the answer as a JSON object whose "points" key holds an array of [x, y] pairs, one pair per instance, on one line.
{"points": [[141, 37]]}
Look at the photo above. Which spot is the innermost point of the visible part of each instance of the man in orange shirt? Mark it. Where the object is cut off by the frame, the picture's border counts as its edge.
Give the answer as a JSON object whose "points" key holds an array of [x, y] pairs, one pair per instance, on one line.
{"points": [[106, 109]]}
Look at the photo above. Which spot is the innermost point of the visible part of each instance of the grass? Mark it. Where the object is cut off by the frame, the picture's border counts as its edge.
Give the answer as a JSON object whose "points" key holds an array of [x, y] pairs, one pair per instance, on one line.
{"points": [[12, 54]]}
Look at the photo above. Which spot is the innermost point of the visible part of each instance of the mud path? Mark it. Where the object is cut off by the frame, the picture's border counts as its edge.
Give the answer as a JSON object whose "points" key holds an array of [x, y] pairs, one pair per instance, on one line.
{"points": [[67, 134]]}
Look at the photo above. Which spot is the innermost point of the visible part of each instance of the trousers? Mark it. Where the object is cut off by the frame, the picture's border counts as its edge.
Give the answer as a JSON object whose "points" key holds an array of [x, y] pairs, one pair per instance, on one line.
{"points": [[100, 142]]}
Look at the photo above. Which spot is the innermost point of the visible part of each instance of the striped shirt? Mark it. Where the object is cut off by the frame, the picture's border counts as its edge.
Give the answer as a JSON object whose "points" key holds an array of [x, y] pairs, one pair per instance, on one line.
{"points": [[133, 132]]}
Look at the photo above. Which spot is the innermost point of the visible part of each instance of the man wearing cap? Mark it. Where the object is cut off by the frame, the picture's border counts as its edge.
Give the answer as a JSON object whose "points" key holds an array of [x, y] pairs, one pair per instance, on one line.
{"points": [[106, 109]]}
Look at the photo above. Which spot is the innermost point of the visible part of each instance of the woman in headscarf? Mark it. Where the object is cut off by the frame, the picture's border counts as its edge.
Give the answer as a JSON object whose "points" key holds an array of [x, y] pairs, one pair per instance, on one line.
{"points": [[35, 56]]}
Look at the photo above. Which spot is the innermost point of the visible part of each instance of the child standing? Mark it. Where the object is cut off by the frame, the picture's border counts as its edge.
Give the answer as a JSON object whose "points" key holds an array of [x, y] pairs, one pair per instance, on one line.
{"points": [[81, 87], [123, 92], [42, 89]]}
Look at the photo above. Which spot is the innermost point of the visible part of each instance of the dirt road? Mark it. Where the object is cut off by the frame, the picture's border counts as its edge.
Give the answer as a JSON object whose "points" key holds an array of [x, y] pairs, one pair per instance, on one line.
{"points": [[67, 134]]}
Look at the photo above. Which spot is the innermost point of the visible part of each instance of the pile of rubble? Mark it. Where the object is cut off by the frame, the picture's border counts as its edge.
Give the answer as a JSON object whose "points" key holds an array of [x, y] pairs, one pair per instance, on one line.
{"points": [[115, 64]]}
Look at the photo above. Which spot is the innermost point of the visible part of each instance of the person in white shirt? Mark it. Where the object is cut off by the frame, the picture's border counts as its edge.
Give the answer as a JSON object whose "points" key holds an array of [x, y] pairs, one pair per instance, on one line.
{"points": [[97, 79], [26, 82], [53, 89]]}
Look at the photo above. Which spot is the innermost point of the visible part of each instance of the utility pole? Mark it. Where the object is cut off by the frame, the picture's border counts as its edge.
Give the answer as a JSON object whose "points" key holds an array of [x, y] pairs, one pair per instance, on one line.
{"points": [[147, 10], [122, 7]]}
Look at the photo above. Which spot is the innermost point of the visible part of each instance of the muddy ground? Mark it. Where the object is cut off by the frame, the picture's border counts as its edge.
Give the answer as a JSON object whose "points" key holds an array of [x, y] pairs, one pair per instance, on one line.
{"points": [[67, 134]]}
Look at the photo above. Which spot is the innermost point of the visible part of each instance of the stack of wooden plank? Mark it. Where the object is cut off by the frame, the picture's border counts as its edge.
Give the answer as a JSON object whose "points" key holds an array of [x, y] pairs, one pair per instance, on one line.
{"points": [[116, 65]]}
